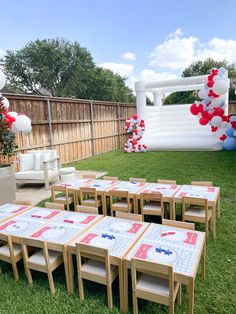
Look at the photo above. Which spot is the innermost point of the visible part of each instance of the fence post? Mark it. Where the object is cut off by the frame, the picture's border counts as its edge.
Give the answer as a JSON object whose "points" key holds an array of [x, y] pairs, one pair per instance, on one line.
{"points": [[118, 117], [50, 123], [92, 128]]}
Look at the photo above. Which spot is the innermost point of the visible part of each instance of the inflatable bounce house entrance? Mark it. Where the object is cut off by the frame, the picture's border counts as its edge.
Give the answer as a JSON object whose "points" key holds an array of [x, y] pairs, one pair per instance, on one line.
{"points": [[174, 127]]}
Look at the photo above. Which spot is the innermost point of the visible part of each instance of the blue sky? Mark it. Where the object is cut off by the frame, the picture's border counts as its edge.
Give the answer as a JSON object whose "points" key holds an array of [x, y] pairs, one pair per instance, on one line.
{"points": [[160, 37]]}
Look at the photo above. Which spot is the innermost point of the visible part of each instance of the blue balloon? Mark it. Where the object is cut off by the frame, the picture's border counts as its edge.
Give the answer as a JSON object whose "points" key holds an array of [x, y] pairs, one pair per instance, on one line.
{"points": [[229, 143], [222, 103], [230, 132], [232, 119]]}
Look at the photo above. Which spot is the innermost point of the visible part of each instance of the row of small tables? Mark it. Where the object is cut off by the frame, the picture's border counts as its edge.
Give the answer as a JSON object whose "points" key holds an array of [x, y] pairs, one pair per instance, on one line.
{"points": [[124, 239], [172, 194]]}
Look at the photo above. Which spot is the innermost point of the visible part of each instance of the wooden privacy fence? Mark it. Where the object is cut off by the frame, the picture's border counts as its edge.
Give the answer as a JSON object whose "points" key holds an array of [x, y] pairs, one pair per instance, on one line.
{"points": [[232, 107], [76, 128]]}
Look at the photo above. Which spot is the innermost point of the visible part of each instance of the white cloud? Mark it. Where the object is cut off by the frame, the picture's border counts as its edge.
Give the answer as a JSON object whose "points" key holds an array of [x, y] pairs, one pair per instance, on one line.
{"points": [[178, 52], [177, 33], [219, 49], [2, 52], [150, 75], [129, 56], [122, 69], [175, 52]]}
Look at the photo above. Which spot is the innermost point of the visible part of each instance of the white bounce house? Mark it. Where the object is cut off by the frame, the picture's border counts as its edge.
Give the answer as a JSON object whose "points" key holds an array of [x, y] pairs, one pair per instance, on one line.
{"points": [[173, 127]]}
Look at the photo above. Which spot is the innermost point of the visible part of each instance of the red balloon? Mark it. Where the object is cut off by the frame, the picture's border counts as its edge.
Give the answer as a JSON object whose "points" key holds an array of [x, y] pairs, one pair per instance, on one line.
{"points": [[135, 116], [218, 112], [210, 83], [194, 109], [223, 137], [214, 128], [224, 118], [205, 114], [203, 121]]}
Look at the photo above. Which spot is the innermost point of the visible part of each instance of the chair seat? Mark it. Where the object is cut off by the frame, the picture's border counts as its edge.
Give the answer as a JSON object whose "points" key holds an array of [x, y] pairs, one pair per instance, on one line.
{"points": [[91, 201], [63, 198], [197, 212], [154, 284], [152, 206], [39, 259], [121, 203], [4, 250], [98, 268]]}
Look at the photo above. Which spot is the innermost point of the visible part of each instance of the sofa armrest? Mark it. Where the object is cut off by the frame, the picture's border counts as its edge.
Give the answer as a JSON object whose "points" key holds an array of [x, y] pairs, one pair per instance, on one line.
{"points": [[15, 166]]}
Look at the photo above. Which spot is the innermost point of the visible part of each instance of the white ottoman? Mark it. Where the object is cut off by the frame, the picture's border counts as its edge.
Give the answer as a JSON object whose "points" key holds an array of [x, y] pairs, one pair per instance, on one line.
{"points": [[67, 173]]}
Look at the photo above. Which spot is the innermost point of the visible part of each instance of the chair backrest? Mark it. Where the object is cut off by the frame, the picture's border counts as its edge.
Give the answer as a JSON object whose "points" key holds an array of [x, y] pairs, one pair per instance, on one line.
{"points": [[119, 194], [89, 176], [86, 209], [26, 242], [137, 180], [129, 216], [153, 269], [91, 192], [95, 253], [202, 183], [200, 203], [178, 224], [166, 181], [22, 202], [54, 205], [58, 189], [154, 196], [110, 178]]}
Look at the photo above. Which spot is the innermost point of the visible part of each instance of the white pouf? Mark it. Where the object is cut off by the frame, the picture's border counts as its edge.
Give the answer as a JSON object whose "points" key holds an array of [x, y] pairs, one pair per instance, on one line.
{"points": [[67, 173]]}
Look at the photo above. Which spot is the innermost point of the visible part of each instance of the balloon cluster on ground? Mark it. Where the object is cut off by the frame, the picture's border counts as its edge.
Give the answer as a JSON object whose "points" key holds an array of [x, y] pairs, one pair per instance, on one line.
{"points": [[210, 109], [14, 121], [135, 126]]}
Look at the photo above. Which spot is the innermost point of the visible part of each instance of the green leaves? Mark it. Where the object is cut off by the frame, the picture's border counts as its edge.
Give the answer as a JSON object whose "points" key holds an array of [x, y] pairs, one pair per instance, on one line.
{"points": [[62, 69], [7, 138]]}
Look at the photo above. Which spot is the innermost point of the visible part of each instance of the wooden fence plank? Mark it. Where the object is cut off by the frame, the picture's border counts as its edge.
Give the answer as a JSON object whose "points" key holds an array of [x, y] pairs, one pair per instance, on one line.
{"points": [[76, 128]]}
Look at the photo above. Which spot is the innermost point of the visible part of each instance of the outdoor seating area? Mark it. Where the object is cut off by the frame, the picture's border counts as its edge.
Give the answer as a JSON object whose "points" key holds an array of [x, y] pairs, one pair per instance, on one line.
{"points": [[102, 229]]}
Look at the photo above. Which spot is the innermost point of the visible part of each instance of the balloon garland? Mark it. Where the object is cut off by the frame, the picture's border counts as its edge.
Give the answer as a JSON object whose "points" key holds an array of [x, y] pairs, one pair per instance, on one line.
{"points": [[135, 126], [14, 121], [211, 108]]}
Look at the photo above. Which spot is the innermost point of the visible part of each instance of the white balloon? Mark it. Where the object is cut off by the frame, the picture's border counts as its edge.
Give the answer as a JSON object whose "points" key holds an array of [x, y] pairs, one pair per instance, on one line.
{"points": [[220, 87], [22, 123], [13, 129], [13, 114], [215, 102], [216, 78], [216, 121], [28, 130], [5, 102], [2, 79], [203, 93]]}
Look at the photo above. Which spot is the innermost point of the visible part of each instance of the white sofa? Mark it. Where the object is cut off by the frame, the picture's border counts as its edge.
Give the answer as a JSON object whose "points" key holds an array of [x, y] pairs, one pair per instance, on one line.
{"points": [[38, 166]]}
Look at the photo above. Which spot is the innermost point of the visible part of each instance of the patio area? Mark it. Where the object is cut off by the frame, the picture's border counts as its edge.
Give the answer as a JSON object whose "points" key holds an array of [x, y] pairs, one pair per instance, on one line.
{"points": [[37, 192]]}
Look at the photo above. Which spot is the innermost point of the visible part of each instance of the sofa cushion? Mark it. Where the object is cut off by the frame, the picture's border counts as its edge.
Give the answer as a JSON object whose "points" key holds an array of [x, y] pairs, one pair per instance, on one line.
{"points": [[37, 161], [35, 175], [45, 155], [26, 162]]}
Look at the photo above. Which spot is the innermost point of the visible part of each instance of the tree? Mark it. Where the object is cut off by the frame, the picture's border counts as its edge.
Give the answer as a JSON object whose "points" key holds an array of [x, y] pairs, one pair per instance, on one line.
{"points": [[201, 68], [63, 69]]}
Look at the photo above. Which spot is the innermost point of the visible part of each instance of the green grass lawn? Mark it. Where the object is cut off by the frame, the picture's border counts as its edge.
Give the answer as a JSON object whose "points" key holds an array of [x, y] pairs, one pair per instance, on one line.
{"points": [[217, 294]]}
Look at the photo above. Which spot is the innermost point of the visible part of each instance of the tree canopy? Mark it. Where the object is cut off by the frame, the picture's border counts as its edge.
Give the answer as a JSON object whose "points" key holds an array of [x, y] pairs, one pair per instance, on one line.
{"points": [[61, 68], [201, 68]]}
